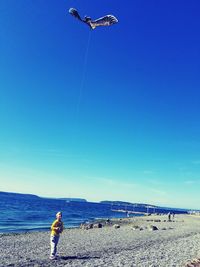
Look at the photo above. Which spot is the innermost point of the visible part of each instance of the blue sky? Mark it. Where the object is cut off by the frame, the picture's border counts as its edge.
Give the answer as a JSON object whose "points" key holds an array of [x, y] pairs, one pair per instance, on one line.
{"points": [[109, 114]]}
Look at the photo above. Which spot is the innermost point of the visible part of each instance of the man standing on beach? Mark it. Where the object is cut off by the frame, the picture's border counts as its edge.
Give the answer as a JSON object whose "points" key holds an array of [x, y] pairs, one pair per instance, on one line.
{"points": [[56, 229]]}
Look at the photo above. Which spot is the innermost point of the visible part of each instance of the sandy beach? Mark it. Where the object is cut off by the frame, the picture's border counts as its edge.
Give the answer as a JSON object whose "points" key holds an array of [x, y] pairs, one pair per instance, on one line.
{"points": [[134, 244]]}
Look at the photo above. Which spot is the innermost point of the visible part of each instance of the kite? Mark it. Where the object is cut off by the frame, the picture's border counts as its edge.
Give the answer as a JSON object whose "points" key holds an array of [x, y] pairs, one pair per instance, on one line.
{"points": [[103, 21]]}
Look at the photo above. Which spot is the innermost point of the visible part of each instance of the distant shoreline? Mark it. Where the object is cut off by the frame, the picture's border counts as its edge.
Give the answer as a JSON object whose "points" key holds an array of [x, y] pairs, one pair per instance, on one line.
{"points": [[77, 226], [103, 202]]}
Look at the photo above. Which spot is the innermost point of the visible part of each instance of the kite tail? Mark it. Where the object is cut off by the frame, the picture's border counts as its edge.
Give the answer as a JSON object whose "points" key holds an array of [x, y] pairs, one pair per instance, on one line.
{"points": [[84, 71]]}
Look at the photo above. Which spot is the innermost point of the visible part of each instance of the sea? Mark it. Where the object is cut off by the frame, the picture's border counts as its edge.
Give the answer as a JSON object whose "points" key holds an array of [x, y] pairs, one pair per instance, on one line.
{"points": [[26, 213]]}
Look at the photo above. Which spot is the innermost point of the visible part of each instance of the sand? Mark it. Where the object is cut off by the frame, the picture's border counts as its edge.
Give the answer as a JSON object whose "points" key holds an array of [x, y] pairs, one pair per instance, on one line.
{"points": [[173, 244]]}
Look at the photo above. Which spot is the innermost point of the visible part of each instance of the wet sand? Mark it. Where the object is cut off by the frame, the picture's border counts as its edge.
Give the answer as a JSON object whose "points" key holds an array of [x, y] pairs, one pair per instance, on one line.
{"points": [[134, 244]]}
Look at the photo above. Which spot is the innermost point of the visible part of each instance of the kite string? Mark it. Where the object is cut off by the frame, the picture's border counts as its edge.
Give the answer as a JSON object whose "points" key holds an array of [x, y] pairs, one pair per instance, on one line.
{"points": [[84, 71]]}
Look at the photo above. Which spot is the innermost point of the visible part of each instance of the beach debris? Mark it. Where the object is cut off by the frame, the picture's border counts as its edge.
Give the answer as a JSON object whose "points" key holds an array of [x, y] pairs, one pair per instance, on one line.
{"points": [[98, 225], [86, 226], [116, 226], [107, 20], [157, 220], [140, 228], [108, 221], [193, 263], [152, 228], [136, 227]]}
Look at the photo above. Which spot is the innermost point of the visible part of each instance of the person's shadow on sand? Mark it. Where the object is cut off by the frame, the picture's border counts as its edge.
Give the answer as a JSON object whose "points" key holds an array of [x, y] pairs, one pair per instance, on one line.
{"points": [[78, 257]]}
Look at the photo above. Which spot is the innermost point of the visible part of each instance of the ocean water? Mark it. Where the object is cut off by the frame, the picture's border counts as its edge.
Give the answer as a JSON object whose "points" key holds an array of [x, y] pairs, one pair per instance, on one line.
{"points": [[20, 213]]}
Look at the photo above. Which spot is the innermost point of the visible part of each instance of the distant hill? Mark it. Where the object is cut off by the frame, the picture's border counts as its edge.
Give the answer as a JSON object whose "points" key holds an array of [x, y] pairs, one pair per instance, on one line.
{"points": [[126, 203], [144, 207], [73, 199], [17, 195], [31, 196]]}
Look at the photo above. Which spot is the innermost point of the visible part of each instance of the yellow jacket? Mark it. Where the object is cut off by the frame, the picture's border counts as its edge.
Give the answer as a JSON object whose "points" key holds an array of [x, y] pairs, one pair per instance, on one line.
{"points": [[54, 230]]}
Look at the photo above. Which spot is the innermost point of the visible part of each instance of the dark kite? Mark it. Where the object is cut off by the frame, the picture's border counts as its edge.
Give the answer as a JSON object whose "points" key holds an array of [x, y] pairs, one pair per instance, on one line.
{"points": [[103, 21]]}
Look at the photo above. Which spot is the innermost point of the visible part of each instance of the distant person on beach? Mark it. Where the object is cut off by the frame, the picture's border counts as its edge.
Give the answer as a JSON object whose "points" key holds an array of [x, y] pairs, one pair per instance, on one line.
{"points": [[56, 229], [169, 216]]}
